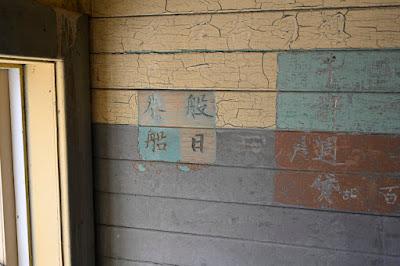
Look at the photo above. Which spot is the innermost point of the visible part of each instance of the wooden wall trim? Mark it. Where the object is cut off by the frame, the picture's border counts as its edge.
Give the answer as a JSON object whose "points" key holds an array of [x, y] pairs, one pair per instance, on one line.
{"points": [[55, 34]]}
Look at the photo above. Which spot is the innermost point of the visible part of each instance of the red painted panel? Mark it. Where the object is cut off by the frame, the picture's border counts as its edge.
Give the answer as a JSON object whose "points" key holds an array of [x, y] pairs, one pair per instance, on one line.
{"points": [[338, 191], [337, 152]]}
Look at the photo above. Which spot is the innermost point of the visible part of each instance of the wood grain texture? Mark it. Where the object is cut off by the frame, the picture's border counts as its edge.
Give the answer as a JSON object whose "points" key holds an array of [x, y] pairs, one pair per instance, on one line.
{"points": [[351, 71], [337, 152], [111, 8], [339, 192], [341, 28], [114, 107], [349, 112], [204, 109], [177, 109], [205, 71], [275, 225], [134, 244]]}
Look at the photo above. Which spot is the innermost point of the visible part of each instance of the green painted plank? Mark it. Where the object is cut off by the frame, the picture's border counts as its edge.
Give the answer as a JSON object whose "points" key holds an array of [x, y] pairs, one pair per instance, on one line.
{"points": [[159, 144], [358, 71], [358, 112]]}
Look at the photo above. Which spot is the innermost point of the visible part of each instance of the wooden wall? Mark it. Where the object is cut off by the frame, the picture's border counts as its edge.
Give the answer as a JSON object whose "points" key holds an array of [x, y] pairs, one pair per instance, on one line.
{"points": [[240, 132]]}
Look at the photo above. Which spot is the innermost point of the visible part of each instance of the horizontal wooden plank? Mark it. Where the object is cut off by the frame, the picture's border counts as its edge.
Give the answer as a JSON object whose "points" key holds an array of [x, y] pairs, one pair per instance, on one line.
{"points": [[112, 8], [362, 193], [177, 144], [114, 107], [205, 71], [246, 109], [115, 141], [321, 29], [181, 249], [235, 147], [268, 224], [357, 71], [327, 152], [107, 261], [338, 191], [337, 152], [203, 109], [177, 109], [190, 181], [348, 112]]}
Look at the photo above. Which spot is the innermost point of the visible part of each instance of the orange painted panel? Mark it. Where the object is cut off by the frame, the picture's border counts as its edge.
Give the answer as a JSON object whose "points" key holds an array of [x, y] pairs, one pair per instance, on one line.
{"points": [[337, 152], [338, 191]]}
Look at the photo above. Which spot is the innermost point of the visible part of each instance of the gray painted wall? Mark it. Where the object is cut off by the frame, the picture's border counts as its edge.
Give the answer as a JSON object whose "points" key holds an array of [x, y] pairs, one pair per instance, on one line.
{"points": [[154, 213]]}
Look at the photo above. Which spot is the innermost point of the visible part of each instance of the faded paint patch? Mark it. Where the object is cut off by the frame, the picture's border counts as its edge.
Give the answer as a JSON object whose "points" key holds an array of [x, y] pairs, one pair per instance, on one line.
{"points": [[337, 152], [177, 144], [338, 191], [141, 168], [349, 112], [363, 71], [159, 144], [177, 109], [184, 168]]}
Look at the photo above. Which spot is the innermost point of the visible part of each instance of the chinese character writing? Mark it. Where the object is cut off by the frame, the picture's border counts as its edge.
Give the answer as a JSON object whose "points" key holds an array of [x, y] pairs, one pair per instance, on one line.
{"points": [[197, 106], [325, 150], [349, 194], [154, 107], [156, 141], [326, 185], [389, 195], [300, 148], [198, 142]]}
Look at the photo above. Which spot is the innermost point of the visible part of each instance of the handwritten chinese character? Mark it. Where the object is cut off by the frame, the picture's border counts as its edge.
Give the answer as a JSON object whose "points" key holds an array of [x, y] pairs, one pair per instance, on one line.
{"points": [[389, 195], [349, 194], [300, 148], [197, 106], [198, 143], [326, 150], [326, 184], [156, 141], [154, 107]]}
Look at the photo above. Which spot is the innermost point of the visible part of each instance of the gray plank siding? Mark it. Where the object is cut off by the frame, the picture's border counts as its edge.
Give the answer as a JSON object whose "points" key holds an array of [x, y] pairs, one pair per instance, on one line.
{"points": [[340, 231], [239, 147], [108, 261], [186, 249], [199, 182], [159, 213]]}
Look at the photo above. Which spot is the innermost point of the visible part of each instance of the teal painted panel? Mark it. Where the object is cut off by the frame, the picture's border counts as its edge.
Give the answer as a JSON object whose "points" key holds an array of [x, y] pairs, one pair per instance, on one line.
{"points": [[358, 71], [159, 144], [349, 112]]}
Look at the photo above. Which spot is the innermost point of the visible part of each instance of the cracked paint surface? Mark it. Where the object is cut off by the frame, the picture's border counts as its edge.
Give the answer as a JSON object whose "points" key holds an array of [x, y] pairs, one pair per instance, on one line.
{"points": [[233, 109], [205, 71], [152, 7], [114, 107], [246, 109], [338, 28]]}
